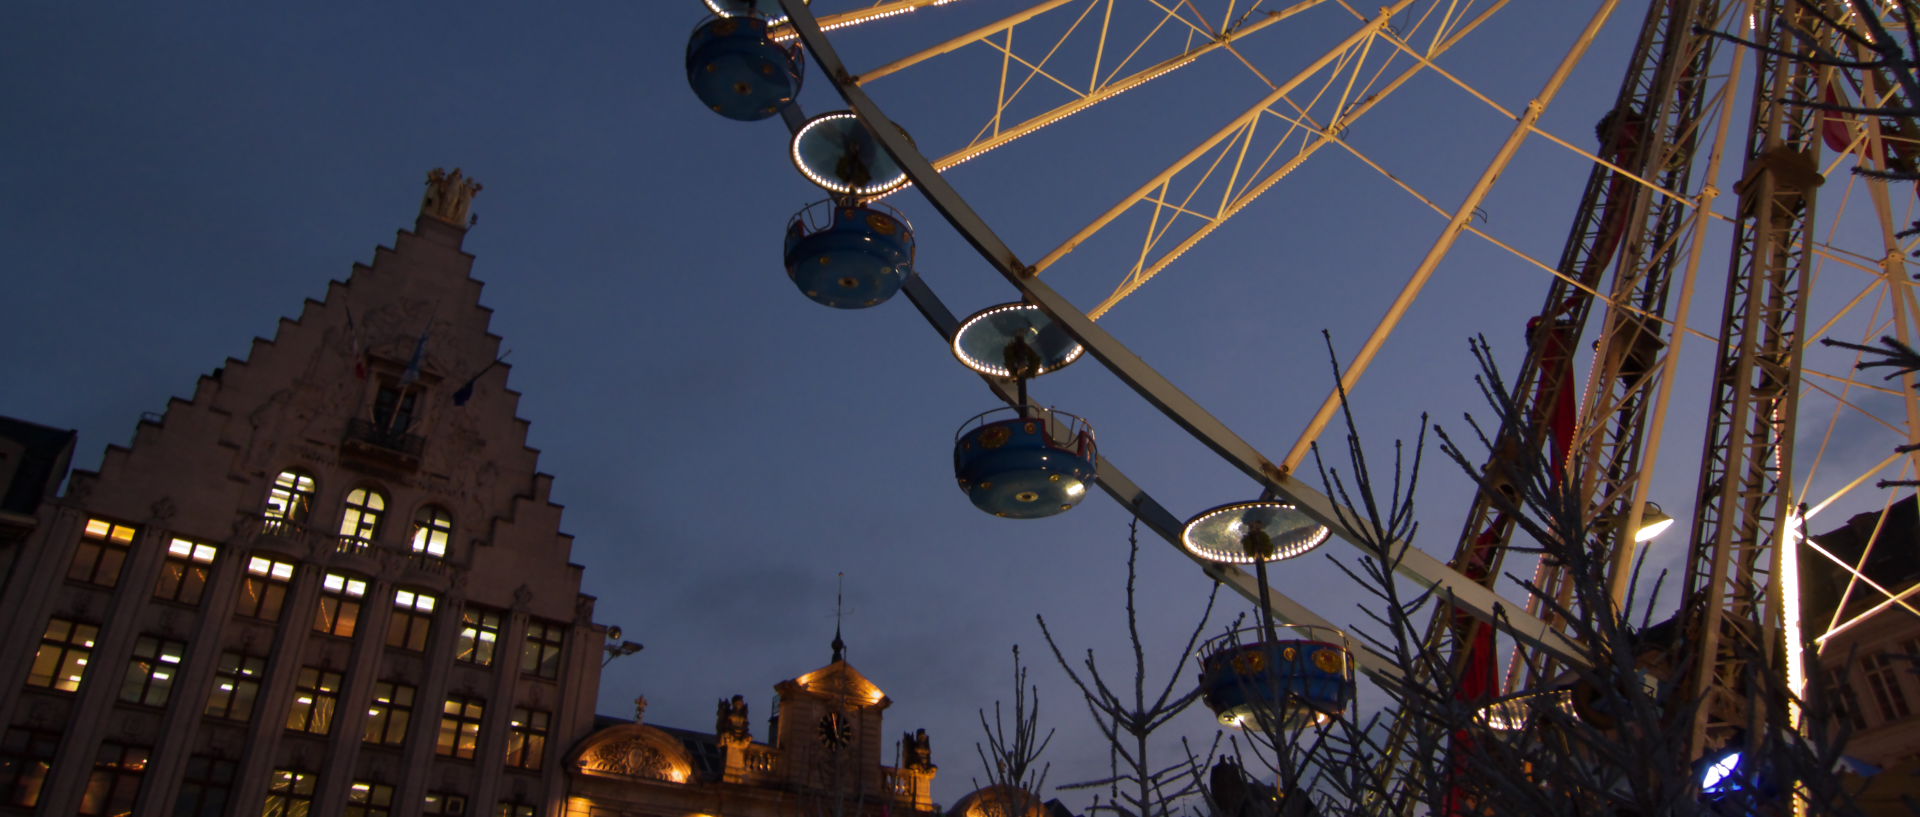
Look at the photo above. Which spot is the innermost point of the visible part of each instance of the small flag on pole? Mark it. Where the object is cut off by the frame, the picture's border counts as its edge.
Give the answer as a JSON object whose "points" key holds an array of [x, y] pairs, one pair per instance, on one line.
{"points": [[412, 372], [465, 392], [353, 348]]}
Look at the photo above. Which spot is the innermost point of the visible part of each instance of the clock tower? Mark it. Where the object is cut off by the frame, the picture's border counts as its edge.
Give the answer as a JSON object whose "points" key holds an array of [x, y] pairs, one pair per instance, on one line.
{"points": [[829, 730]]}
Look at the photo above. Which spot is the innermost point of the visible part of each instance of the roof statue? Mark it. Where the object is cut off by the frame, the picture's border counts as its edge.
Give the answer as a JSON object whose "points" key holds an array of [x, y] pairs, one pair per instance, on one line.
{"points": [[450, 197]]}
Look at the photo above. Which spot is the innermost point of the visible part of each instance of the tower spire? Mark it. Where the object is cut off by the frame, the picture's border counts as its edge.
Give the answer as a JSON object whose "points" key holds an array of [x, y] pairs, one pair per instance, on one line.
{"points": [[839, 590]]}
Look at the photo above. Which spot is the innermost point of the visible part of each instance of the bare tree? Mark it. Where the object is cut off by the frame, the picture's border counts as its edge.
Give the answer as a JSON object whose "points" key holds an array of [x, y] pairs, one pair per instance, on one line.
{"points": [[1137, 785]]}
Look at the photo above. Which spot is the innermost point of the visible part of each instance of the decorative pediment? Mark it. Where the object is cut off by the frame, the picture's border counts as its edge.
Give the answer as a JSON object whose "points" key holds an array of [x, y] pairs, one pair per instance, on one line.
{"points": [[840, 680], [634, 751]]}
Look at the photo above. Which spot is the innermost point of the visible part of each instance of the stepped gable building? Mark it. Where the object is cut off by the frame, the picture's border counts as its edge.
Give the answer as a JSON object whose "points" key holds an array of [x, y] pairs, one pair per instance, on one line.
{"points": [[824, 759], [330, 581], [1866, 669]]}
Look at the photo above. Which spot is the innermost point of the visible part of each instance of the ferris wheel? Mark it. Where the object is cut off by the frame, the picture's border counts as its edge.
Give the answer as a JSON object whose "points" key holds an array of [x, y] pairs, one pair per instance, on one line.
{"points": [[1694, 183]]}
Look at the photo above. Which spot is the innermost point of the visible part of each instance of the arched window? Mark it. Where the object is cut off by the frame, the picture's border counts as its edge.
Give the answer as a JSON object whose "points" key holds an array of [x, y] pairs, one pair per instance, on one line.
{"points": [[291, 498], [362, 516], [432, 529]]}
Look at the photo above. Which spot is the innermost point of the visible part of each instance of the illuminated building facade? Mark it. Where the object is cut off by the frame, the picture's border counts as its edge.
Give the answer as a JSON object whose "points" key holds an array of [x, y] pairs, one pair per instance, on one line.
{"points": [[329, 581], [822, 759], [1866, 671]]}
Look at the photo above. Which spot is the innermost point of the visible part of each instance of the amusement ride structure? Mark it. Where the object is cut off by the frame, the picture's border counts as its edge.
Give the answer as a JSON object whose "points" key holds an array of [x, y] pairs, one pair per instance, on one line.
{"points": [[1709, 154]]}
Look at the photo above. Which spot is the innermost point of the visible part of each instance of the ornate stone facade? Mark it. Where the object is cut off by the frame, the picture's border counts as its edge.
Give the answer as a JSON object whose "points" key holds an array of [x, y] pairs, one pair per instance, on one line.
{"points": [[319, 580]]}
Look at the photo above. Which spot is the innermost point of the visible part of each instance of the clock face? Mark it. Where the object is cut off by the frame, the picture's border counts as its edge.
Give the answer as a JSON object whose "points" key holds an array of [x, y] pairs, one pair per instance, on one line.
{"points": [[835, 730]]}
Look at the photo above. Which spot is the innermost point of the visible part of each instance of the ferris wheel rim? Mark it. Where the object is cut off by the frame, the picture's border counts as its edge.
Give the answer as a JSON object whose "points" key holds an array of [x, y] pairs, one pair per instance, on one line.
{"points": [[1160, 392]]}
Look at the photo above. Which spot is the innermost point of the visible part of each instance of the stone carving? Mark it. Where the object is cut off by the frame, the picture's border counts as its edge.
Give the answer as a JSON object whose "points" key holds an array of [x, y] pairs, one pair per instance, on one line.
{"points": [[640, 709], [522, 596], [163, 509], [631, 757], [730, 721], [919, 750], [449, 196]]}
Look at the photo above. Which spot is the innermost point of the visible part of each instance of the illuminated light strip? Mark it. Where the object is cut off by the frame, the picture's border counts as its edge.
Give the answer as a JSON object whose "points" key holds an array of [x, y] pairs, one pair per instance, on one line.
{"points": [[984, 367], [1313, 540], [751, 11], [834, 185], [785, 33]]}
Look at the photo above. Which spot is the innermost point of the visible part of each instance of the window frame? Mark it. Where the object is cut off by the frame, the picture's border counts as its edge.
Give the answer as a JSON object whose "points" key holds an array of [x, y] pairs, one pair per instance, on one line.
{"points": [[473, 645], [243, 675], [322, 690], [262, 587], [361, 513], [543, 648], [72, 649], [527, 732], [202, 787], [461, 718], [342, 599], [366, 798], [1883, 671], [30, 753], [100, 556], [428, 808], [113, 784], [290, 497], [432, 532], [150, 676], [185, 572], [411, 622], [286, 789], [389, 717]]}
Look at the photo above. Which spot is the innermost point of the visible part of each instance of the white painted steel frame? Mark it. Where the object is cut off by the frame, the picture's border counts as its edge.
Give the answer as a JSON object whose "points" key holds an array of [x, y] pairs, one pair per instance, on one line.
{"points": [[1414, 563]]}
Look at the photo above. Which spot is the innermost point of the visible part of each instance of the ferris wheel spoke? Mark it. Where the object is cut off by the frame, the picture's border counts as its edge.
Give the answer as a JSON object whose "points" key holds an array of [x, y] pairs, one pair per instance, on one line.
{"points": [[1414, 564], [1321, 137], [1236, 126], [1110, 89]]}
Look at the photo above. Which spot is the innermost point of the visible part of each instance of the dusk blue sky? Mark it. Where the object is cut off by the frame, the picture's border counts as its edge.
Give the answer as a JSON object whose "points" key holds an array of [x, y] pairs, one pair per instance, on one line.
{"points": [[178, 177]]}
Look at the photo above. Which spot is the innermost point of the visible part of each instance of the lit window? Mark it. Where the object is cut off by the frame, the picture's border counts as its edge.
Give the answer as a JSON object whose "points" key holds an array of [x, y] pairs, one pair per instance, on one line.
{"points": [[460, 726], [389, 714], [366, 799], [183, 577], [361, 520], [26, 758], [289, 794], [291, 498], [339, 608], [206, 787], [527, 737], [61, 662], [264, 589], [236, 683], [115, 780], [102, 551], [541, 653], [439, 804], [412, 619], [432, 529], [150, 675], [315, 692], [511, 809], [479, 635]]}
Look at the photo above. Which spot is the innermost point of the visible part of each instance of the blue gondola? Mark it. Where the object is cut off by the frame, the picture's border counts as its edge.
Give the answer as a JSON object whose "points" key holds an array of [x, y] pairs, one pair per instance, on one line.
{"points": [[849, 256], [740, 72], [1024, 467], [1292, 683]]}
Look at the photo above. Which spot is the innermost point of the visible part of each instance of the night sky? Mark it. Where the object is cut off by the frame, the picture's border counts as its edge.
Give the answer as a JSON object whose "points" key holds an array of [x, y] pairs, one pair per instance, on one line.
{"points": [[178, 177]]}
